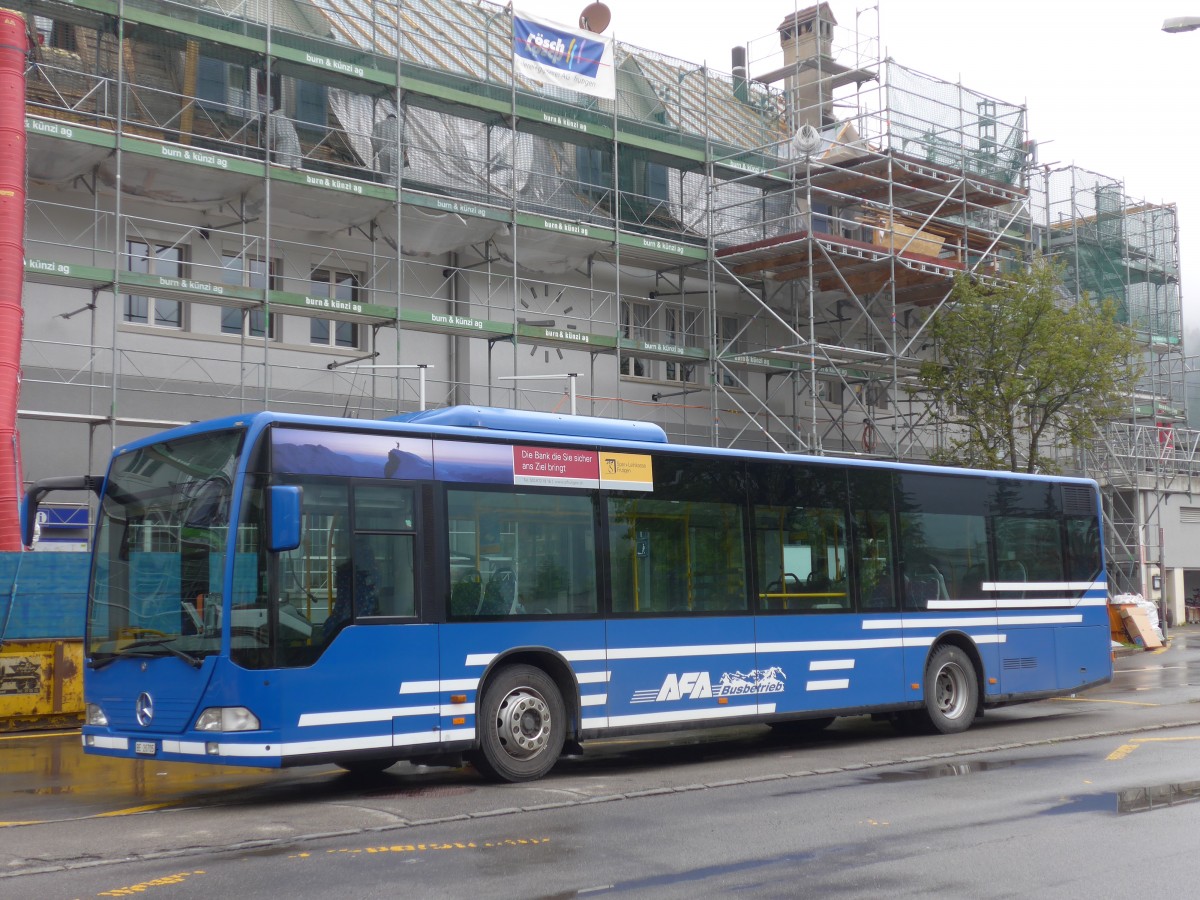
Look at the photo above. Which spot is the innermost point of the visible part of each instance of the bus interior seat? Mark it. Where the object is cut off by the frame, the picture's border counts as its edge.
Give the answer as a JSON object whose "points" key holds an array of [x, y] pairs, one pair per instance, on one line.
{"points": [[880, 597], [466, 594], [499, 597], [789, 584], [926, 586], [1013, 570], [972, 581]]}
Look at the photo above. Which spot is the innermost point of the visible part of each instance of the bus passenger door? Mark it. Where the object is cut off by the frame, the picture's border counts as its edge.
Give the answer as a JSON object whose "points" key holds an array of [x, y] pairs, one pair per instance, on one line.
{"points": [[877, 643], [680, 638], [363, 670], [828, 622]]}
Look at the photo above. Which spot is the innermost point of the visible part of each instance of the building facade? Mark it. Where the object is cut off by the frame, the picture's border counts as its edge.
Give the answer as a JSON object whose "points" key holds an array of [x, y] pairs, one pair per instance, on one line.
{"points": [[353, 207]]}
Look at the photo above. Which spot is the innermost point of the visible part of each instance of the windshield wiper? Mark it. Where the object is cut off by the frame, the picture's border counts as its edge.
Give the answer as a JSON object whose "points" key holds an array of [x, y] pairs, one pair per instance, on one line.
{"points": [[130, 650]]}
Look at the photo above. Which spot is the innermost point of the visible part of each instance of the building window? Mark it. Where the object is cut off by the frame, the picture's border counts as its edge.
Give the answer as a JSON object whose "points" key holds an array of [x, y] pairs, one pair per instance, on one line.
{"points": [[60, 35], [340, 286], [635, 326], [311, 103], [729, 331], [682, 330], [240, 271], [223, 87], [165, 261]]}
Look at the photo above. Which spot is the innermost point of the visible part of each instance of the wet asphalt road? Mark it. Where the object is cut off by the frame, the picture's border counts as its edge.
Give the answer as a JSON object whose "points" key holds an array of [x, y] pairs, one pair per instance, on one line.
{"points": [[849, 811]]}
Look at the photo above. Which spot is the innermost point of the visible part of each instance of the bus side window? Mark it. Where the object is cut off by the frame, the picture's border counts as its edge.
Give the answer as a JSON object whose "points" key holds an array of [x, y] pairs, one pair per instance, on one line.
{"points": [[1028, 549], [384, 550], [871, 502], [1083, 543], [944, 554], [676, 556], [521, 554], [877, 585], [801, 558]]}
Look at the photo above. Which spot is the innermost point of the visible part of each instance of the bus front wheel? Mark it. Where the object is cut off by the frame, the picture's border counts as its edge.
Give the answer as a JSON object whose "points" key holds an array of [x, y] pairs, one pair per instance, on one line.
{"points": [[522, 723], [951, 691]]}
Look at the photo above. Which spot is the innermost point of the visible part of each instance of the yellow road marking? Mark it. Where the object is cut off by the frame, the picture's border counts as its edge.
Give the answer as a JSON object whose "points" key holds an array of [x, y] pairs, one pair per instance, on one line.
{"points": [[1125, 749], [133, 810], [37, 734], [129, 891], [418, 848]]}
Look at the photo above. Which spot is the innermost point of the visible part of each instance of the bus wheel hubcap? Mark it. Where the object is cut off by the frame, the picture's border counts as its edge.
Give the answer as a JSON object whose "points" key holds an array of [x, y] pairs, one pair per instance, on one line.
{"points": [[949, 691], [524, 723]]}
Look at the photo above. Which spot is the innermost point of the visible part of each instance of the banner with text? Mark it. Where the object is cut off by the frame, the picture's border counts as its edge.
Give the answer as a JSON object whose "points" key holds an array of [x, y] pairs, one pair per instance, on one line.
{"points": [[567, 57]]}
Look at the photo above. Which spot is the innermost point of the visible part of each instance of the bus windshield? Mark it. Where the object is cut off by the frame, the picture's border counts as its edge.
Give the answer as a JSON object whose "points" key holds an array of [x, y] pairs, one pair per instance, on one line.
{"points": [[160, 550]]}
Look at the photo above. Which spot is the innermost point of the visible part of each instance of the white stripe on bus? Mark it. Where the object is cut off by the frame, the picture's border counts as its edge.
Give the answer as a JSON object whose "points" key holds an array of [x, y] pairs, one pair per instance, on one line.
{"points": [[912, 621], [485, 659], [974, 622], [109, 743], [352, 716], [194, 748], [337, 745], [593, 677], [1044, 586], [638, 653], [433, 687], [1020, 603], [682, 715], [831, 684]]}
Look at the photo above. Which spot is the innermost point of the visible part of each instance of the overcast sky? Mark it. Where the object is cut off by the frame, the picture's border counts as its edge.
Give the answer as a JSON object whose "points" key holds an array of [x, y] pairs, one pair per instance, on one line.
{"points": [[1106, 88]]}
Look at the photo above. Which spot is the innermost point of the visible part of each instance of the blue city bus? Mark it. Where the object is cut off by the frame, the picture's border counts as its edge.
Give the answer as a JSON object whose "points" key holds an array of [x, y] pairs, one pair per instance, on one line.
{"points": [[499, 586]]}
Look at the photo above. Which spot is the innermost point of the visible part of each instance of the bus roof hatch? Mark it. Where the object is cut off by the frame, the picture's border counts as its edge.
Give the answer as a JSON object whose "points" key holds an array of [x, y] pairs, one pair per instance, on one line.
{"points": [[493, 419]]}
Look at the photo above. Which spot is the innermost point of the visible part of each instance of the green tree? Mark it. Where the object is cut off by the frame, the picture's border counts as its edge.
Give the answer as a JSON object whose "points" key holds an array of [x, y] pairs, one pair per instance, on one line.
{"points": [[1020, 368]]}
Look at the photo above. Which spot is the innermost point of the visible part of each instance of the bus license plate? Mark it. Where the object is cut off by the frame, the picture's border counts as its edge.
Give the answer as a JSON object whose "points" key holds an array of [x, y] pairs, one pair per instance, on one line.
{"points": [[144, 748]]}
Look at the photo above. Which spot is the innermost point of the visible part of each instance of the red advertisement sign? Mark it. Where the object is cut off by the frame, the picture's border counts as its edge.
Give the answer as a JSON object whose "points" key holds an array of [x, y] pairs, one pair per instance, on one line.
{"points": [[558, 466]]}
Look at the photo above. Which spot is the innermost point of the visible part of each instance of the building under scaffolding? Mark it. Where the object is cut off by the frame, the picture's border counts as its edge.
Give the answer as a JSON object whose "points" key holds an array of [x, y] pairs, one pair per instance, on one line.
{"points": [[314, 205]]}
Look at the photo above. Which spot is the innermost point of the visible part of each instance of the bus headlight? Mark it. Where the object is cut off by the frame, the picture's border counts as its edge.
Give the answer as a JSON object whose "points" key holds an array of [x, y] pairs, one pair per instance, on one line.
{"points": [[95, 716], [227, 718]]}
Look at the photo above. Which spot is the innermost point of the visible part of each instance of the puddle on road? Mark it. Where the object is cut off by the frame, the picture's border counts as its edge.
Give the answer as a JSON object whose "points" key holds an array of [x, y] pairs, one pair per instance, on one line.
{"points": [[942, 770], [958, 769], [1131, 800]]}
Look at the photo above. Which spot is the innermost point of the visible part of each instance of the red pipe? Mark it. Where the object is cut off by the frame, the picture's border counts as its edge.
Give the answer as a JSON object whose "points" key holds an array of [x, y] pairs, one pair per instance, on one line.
{"points": [[13, 49]]}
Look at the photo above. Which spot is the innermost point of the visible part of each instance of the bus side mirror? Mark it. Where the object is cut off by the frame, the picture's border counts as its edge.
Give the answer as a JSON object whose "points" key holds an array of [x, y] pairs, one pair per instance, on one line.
{"points": [[44, 486], [285, 518]]}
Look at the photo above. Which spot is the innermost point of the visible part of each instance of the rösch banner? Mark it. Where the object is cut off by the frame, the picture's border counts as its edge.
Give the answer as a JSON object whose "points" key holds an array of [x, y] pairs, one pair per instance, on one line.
{"points": [[562, 56]]}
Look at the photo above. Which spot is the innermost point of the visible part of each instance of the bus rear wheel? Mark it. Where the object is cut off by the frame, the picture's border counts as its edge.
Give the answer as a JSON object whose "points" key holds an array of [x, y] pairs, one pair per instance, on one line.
{"points": [[951, 692], [522, 725]]}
